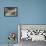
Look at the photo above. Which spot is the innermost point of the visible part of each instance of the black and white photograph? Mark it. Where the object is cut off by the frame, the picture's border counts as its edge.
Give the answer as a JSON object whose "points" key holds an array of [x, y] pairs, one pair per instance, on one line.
{"points": [[10, 11]]}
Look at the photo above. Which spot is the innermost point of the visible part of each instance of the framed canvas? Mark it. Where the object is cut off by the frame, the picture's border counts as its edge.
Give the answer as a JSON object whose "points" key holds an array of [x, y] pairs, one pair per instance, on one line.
{"points": [[32, 32], [10, 11]]}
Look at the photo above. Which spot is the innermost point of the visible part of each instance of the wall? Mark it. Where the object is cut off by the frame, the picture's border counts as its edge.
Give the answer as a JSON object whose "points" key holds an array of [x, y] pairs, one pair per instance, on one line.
{"points": [[34, 12], [29, 12], [8, 24]]}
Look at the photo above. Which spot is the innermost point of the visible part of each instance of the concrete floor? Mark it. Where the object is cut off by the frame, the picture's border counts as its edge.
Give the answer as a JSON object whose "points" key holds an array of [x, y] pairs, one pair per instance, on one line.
{"points": [[28, 43], [32, 43], [7, 45]]}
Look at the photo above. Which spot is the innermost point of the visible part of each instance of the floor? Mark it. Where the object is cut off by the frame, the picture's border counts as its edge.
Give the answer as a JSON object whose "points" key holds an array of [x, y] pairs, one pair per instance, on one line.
{"points": [[30, 43], [7, 45]]}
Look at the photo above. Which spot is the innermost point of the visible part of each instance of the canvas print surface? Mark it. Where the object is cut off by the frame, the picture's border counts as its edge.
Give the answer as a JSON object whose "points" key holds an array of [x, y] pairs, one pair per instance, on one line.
{"points": [[33, 32]]}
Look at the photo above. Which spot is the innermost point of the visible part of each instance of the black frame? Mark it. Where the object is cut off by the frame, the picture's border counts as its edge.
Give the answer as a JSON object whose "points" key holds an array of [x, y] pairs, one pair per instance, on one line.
{"points": [[9, 15]]}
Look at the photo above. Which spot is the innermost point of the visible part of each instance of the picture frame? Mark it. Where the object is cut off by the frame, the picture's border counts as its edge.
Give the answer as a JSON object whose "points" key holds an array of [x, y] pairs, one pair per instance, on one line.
{"points": [[10, 11]]}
